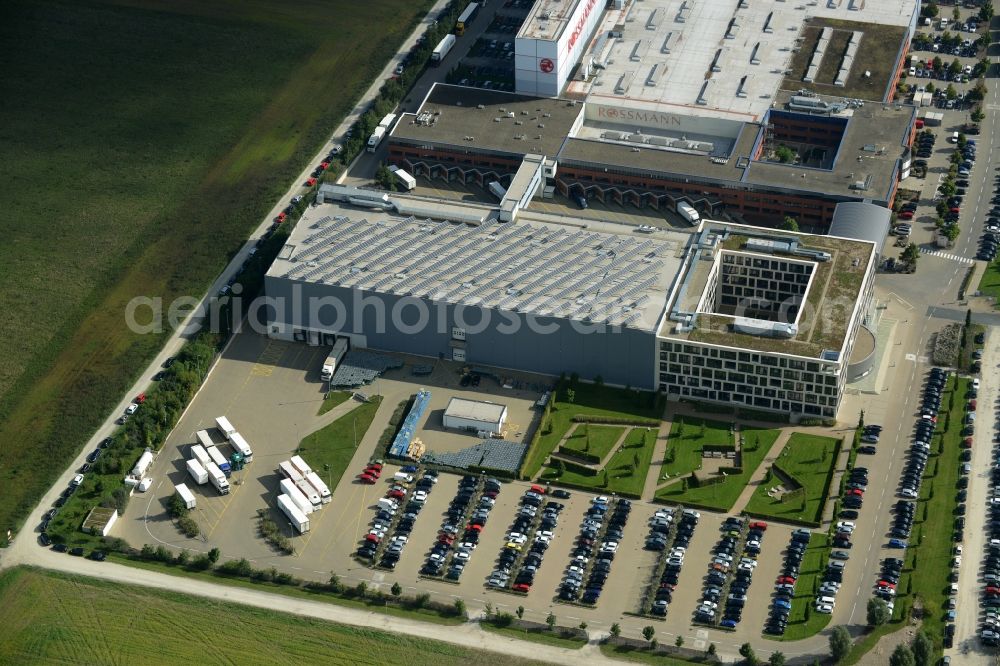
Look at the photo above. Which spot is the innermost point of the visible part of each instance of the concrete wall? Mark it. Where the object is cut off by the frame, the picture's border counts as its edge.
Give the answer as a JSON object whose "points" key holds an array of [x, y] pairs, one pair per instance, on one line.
{"points": [[507, 340]]}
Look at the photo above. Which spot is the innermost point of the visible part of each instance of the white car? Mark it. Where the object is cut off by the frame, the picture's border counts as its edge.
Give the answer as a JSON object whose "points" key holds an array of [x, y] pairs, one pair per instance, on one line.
{"points": [[956, 562], [824, 608], [419, 496], [77, 480], [462, 555], [710, 605], [603, 499], [846, 526], [131, 408], [544, 533], [975, 384]]}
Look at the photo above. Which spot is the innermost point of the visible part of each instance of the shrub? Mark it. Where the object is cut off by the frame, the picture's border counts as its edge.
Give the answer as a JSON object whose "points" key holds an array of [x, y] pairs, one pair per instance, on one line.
{"points": [[189, 527]]}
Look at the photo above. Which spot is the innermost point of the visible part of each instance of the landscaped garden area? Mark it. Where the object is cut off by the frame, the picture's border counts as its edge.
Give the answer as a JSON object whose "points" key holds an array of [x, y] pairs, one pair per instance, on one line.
{"points": [[798, 488]]}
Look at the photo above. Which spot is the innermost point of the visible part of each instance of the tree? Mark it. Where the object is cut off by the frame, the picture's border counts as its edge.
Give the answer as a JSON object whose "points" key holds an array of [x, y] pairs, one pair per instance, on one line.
{"points": [[952, 232], [679, 642], [861, 420], [560, 467], [789, 224], [911, 254], [384, 178], [931, 87], [616, 630], [776, 659], [583, 626], [955, 67], [711, 648], [213, 555], [930, 10], [923, 649], [520, 612], [784, 154], [955, 14], [460, 607], [977, 115], [840, 643], [878, 612], [396, 589], [986, 12], [902, 656], [648, 632], [950, 92], [551, 621], [570, 396], [978, 92], [937, 64], [746, 651]]}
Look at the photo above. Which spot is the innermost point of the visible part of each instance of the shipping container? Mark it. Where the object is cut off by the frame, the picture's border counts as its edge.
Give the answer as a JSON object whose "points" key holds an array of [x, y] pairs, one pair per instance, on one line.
{"points": [[299, 521], [186, 495], [197, 472]]}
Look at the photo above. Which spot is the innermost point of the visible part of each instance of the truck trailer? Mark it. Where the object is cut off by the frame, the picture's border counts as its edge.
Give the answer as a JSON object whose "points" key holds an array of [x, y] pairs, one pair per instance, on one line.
{"points": [[299, 520], [334, 358], [442, 49], [309, 492], [286, 470], [199, 453], [240, 445], [224, 426], [687, 211], [320, 487], [220, 460], [289, 488], [375, 139], [186, 495], [218, 478], [197, 472], [407, 181], [387, 122], [204, 438], [301, 466]]}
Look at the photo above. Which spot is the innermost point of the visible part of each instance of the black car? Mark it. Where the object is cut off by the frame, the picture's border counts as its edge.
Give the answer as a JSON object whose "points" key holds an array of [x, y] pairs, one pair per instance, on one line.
{"points": [[560, 494]]}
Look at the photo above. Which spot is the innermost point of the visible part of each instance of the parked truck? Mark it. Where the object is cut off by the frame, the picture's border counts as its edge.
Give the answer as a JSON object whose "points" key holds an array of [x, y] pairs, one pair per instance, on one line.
{"points": [[334, 358], [218, 478], [299, 520], [300, 465], [687, 211], [375, 139], [225, 427], [319, 486], [309, 492], [407, 181], [199, 453], [498, 190], [220, 460], [241, 446], [286, 470], [387, 122], [204, 438], [442, 49], [289, 488], [186, 495], [197, 472]]}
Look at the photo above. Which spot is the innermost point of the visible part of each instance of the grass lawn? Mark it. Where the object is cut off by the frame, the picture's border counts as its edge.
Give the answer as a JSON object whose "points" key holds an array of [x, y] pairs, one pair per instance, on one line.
{"points": [[544, 637], [594, 439], [588, 399], [810, 576], [629, 653], [723, 495], [687, 440], [182, 123], [989, 284], [965, 355], [78, 630], [808, 459], [624, 475], [329, 450], [332, 400]]}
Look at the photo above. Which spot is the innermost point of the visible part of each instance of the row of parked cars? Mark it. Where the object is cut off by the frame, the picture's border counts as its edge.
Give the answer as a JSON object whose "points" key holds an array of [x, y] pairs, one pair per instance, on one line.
{"points": [[659, 531], [991, 235], [600, 532], [535, 523], [784, 586], [989, 632], [471, 505], [724, 562]]}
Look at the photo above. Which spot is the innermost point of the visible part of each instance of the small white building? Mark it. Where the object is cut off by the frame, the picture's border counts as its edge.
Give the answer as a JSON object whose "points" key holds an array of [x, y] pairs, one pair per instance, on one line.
{"points": [[475, 415]]}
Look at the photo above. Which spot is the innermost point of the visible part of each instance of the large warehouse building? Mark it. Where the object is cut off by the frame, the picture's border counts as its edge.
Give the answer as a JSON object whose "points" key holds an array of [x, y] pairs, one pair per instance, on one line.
{"points": [[749, 110], [730, 314]]}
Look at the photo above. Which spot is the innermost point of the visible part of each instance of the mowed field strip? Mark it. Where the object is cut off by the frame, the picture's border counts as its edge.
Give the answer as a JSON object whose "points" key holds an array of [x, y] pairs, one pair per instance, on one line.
{"points": [[53, 618], [148, 138]]}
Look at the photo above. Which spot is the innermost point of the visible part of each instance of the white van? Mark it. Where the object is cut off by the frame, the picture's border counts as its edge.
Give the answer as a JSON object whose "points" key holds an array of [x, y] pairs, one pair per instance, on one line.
{"points": [[827, 600], [402, 477]]}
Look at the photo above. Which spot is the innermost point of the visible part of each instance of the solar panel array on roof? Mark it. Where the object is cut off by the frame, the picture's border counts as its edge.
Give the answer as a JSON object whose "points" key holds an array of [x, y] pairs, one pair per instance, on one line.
{"points": [[490, 454]]}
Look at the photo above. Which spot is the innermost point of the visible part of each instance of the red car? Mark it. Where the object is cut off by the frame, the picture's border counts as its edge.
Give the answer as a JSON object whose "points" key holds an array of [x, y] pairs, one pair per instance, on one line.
{"points": [[373, 472], [139, 399], [885, 583], [492, 494], [377, 466], [324, 165], [538, 489], [476, 527], [371, 538], [395, 494], [992, 589], [366, 478], [521, 587], [856, 491], [786, 580], [955, 209], [310, 182], [906, 215], [282, 216], [758, 525], [967, 443], [972, 405], [446, 538]]}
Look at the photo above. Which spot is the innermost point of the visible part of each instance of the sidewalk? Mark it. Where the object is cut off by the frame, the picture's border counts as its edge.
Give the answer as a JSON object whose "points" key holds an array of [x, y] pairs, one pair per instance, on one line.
{"points": [[761, 472]]}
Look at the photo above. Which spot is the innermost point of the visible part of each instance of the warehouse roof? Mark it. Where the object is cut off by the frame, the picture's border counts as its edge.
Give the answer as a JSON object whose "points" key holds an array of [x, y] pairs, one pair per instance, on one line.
{"points": [[475, 410], [606, 274], [474, 119]]}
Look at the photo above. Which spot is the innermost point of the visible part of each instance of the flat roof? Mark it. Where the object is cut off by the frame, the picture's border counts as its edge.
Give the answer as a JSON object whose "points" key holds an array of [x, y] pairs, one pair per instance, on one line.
{"points": [[547, 19], [830, 303], [873, 141], [570, 269], [717, 58], [475, 410], [476, 120]]}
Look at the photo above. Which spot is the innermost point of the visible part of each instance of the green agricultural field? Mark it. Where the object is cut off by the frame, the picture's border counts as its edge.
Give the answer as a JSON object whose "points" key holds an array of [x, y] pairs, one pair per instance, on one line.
{"points": [[330, 449], [142, 140], [97, 622], [809, 460], [724, 494], [588, 400]]}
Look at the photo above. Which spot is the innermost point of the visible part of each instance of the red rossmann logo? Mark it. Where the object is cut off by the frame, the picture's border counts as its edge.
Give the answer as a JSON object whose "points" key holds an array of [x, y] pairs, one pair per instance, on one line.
{"points": [[578, 30], [546, 65]]}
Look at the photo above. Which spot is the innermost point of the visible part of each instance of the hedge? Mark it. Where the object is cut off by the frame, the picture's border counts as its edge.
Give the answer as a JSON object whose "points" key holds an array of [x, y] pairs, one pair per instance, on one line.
{"points": [[582, 455], [615, 420]]}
